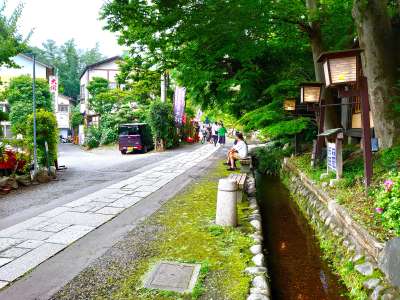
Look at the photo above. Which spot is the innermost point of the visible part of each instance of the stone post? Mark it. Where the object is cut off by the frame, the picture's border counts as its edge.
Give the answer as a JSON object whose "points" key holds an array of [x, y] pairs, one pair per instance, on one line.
{"points": [[226, 203]]}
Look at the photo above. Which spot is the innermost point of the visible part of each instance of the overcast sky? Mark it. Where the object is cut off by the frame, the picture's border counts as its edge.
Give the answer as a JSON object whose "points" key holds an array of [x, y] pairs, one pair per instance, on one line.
{"points": [[61, 20]]}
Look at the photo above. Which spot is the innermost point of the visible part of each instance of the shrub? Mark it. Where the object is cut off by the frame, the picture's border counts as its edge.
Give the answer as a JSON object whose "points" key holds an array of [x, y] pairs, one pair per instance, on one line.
{"points": [[108, 136], [93, 137], [269, 158], [46, 131], [387, 203]]}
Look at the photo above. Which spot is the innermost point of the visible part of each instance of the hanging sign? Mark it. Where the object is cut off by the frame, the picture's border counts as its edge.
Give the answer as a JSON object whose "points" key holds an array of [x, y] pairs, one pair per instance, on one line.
{"points": [[331, 157], [179, 103], [53, 82]]}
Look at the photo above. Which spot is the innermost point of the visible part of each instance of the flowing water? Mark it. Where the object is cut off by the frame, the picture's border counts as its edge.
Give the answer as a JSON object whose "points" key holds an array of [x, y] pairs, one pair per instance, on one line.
{"points": [[295, 265]]}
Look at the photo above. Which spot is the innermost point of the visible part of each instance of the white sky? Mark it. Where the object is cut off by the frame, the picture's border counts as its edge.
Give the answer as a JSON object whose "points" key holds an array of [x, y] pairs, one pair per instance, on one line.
{"points": [[61, 20]]}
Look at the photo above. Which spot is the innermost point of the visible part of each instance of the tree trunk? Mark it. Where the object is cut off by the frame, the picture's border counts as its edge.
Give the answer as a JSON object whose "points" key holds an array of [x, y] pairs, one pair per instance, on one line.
{"points": [[317, 47], [379, 65]]}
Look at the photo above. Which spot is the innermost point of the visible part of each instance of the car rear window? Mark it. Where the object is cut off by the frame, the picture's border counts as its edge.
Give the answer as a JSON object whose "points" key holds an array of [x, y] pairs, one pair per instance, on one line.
{"points": [[129, 130]]}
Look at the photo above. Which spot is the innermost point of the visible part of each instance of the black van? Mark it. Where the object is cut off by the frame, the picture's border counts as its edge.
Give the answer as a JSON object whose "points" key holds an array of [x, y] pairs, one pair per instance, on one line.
{"points": [[135, 136]]}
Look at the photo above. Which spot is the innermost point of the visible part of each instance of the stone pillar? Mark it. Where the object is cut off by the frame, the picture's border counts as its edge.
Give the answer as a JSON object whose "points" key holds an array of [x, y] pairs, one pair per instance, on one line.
{"points": [[226, 203]]}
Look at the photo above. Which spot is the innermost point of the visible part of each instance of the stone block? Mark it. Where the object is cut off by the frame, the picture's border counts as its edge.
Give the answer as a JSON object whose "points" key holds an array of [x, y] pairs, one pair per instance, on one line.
{"points": [[33, 235], [110, 210], [14, 252], [69, 235], [23, 264], [125, 202], [30, 244], [256, 249], [371, 283], [389, 261], [259, 260], [85, 219], [365, 269], [256, 270], [4, 260], [6, 243]]}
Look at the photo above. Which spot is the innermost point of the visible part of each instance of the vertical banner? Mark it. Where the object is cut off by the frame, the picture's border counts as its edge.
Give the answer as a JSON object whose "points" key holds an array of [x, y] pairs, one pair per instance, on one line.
{"points": [[199, 115], [53, 82], [179, 103]]}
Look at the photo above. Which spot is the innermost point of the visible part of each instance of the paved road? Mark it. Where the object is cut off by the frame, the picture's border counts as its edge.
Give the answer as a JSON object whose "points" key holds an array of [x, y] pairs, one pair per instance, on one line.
{"points": [[87, 172]]}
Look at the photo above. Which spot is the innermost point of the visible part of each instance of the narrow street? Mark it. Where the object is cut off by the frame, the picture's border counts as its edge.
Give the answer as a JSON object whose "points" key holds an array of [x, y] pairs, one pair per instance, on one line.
{"points": [[88, 171]]}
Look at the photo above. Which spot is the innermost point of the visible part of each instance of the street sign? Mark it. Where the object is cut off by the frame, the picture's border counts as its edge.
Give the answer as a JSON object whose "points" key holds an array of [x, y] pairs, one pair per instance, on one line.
{"points": [[53, 82], [331, 157]]}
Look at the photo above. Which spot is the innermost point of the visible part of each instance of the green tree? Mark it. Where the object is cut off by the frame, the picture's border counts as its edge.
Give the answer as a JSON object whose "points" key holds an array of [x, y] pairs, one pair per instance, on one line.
{"points": [[46, 131], [19, 96], [161, 120], [76, 117], [11, 42], [69, 61]]}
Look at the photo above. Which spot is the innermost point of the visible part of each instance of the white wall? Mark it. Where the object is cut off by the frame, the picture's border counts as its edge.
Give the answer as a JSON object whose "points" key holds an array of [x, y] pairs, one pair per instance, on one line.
{"points": [[26, 69], [107, 71]]}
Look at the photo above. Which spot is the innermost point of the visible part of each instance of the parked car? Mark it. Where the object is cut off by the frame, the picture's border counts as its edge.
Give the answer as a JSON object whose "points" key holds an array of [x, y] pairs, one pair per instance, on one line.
{"points": [[135, 136]]}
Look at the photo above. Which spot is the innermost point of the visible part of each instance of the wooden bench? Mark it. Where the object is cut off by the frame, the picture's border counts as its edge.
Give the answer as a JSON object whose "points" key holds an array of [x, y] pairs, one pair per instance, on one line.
{"points": [[245, 164], [240, 180]]}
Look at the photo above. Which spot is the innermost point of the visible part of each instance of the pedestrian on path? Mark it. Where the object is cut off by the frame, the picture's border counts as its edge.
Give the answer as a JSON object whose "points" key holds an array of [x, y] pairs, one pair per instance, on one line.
{"points": [[238, 151], [214, 129], [221, 134]]}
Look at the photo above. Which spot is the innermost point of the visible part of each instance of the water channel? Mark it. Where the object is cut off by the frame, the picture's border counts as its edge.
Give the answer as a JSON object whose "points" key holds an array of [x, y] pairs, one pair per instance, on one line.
{"points": [[295, 265]]}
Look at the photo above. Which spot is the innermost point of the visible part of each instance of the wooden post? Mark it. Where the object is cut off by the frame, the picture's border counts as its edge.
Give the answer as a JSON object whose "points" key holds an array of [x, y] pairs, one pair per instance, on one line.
{"points": [[339, 155], [320, 139], [366, 132]]}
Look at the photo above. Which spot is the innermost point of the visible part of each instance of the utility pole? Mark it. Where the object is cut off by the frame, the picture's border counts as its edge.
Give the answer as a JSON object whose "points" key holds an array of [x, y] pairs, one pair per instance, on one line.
{"points": [[34, 117]]}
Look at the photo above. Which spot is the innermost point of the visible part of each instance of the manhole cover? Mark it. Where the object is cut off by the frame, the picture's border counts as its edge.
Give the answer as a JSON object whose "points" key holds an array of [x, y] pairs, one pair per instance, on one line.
{"points": [[173, 276]]}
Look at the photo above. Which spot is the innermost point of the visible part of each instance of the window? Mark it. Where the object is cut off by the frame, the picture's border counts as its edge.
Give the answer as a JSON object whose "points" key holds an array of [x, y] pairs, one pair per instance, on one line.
{"points": [[129, 130], [3, 107], [94, 121], [62, 108], [82, 95], [112, 85]]}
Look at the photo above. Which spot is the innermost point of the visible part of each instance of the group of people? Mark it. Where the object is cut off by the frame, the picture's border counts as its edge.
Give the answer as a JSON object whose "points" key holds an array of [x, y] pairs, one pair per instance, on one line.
{"points": [[216, 133], [213, 133]]}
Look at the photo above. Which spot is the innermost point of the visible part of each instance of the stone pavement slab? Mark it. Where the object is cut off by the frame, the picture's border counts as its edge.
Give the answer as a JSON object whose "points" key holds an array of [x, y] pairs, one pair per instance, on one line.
{"points": [[23, 264], [29, 243]]}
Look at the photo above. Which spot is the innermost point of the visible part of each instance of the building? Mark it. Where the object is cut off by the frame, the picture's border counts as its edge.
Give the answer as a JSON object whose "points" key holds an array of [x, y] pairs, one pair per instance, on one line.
{"points": [[107, 69], [63, 109], [26, 68]]}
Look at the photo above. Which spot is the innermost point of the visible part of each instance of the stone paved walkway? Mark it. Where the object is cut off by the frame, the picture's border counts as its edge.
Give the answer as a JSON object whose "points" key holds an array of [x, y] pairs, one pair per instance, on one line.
{"points": [[29, 243]]}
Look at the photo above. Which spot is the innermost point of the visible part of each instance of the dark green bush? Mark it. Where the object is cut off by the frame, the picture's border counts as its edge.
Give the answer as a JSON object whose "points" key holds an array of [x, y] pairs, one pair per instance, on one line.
{"points": [[93, 137], [269, 158], [108, 136]]}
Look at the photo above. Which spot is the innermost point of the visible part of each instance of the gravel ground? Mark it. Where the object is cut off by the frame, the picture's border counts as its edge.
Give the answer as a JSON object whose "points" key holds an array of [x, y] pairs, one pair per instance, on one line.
{"points": [[116, 264]]}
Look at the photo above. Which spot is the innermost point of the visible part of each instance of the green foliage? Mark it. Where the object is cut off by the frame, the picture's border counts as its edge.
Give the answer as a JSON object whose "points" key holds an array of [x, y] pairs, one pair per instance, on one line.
{"points": [[93, 137], [12, 43], [76, 117], [390, 158], [387, 203], [161, 120], [269, 158], [108, 136], [286, 128], [46, 130], [19, 95]]}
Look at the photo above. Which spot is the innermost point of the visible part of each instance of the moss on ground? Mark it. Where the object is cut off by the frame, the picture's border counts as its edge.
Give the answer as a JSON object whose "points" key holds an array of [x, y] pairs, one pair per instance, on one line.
{"points": [[189, 235]]}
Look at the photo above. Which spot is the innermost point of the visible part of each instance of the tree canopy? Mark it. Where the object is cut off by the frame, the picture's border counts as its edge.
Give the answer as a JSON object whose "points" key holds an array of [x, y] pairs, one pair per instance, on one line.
{"points": [[11, 42], [69, 61]]}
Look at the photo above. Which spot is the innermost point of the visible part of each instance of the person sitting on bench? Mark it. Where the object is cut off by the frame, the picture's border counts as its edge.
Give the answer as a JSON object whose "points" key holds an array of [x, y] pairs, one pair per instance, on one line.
{"points": [[238, 151]]}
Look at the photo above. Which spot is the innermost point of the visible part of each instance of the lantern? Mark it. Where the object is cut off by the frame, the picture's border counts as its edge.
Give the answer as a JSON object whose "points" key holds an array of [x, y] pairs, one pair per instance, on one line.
{"points": [[289, 105], [310, 92], [341, 67]]}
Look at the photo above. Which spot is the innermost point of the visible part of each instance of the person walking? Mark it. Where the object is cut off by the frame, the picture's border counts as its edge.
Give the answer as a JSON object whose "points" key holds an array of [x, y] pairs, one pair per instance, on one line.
{"points": [[221, 134], [214, 132]]}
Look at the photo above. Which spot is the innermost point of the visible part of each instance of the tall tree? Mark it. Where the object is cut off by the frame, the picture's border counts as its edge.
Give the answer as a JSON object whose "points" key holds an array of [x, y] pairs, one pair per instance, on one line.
{"points": [[11, 42], [378, 32]]}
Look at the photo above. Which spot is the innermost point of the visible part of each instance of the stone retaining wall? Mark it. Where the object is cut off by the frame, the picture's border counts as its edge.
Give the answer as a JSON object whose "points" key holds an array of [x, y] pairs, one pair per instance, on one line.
{"points": [[366, 250]]}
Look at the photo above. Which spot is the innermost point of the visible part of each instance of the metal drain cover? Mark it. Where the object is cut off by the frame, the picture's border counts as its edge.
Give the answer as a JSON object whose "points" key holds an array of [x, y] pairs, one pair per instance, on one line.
{"points": [[173, 276]]}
